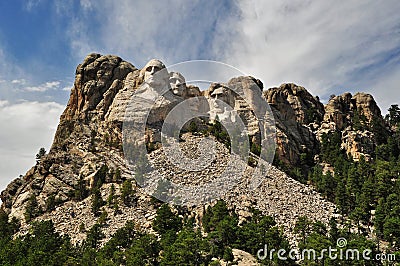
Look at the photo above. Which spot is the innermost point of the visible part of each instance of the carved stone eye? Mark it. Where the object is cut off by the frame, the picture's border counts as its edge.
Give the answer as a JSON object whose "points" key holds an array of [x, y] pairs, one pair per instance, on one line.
{"points": [[217, 92], [153, 69], [174, 81]]}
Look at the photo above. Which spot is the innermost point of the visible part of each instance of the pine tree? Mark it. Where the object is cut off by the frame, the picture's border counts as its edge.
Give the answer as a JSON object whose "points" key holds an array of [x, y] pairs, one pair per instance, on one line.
{"points": [[380, 214], [144, 251], [100, 177], [111, 196], [341, 198], [127, 192], [394, 115], [333, 231], [117, 175], [41, 153], [32, 209], [94, 236], [51, 203], [391, 230], [188, 249], [81, 191], [166, 220], [328, 185], [303, 228], [97, 202]]}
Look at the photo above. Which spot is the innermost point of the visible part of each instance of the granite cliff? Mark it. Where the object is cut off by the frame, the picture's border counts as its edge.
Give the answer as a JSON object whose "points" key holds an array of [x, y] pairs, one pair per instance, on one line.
{"points": [[88, 144]]}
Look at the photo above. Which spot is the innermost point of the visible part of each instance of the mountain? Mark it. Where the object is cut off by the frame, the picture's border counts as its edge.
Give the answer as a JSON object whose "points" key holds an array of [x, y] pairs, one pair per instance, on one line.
{"points": [[86, 159]]}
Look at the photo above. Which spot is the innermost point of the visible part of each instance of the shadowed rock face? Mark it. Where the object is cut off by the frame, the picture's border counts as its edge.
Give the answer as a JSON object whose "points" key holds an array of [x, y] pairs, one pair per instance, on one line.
{"points": [[94, 77], [242, 94], [295, 103], [97, 81], [297, 114]]}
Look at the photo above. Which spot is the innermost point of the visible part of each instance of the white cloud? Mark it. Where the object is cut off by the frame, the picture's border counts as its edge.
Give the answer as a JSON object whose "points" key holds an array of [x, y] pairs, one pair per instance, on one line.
{"points": [[172, 31], [9, 69], [326, 47], [80, 42], [26, 127], [3, 103], [63, 7], [50, 85], [18, 81]]}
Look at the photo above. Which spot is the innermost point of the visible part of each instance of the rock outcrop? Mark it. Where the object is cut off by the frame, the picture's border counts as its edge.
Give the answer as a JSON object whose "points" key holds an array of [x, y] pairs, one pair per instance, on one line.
{"points": [[297, 114], [85, 140], [242, 94], [342, 110], [295, 103], [98, 79], [360, 121], [278, 196], [88, 144]]}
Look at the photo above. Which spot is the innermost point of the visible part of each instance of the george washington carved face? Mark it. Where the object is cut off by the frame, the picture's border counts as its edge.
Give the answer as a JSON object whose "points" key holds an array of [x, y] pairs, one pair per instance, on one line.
{"points": [[154, 73]]}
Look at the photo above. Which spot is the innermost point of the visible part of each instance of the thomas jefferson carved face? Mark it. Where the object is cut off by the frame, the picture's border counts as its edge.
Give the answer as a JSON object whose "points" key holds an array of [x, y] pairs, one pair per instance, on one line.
{"points": [[178, 83]]}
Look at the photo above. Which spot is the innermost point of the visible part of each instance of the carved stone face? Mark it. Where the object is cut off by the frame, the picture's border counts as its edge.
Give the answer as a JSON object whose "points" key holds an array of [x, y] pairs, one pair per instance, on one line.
{"points": [[149, 73], [178, 83], [218, 94]]}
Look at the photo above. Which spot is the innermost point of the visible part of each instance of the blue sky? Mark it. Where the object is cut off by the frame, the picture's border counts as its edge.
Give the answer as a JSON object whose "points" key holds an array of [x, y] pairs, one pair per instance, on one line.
{"points": [[327, 48]]}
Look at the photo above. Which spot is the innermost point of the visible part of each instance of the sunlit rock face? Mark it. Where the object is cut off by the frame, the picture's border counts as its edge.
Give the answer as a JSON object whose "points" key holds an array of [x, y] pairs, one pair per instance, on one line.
{"points": [[357, 117], [178, 84], [297, 113], [343, 109], [97, 78], [236, 99], [89, 136], [219, 99], [148, 73]]}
